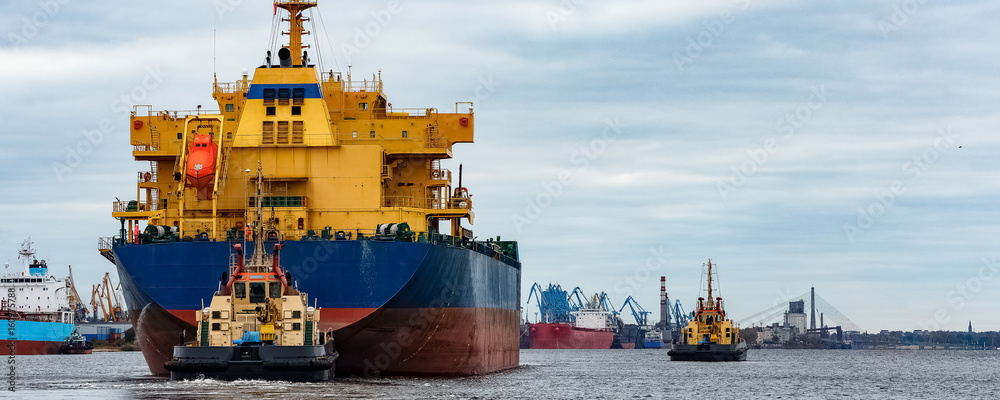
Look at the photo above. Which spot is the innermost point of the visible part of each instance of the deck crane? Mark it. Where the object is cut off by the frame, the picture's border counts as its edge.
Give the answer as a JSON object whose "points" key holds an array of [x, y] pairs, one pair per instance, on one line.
{"points": [[638, 312]]}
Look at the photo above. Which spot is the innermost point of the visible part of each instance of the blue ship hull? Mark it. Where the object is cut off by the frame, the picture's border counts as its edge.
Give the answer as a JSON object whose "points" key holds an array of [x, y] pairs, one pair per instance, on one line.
{"points": [[392, 307], [36, 337]]}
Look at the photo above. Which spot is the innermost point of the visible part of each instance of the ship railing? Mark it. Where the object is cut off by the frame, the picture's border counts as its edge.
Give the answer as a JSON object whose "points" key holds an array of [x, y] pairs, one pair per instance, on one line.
{"points": [[106, 243], [144, 147], [488, 249], [441, 174], [404, 113], [135, 206], [147, 176], [363, 86], [416, 202], [404, 201], [232, 87], [168, 114]]}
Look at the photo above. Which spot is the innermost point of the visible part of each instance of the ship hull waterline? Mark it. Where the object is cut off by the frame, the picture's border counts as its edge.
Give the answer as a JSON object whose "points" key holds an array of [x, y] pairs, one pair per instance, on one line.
{"points": [[708, 352], [393, 308], [565, 336]]}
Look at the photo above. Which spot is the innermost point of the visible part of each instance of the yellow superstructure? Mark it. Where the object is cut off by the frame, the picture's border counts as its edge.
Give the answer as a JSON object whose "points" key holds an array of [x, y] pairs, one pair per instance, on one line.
{"points": [[336, 154]]}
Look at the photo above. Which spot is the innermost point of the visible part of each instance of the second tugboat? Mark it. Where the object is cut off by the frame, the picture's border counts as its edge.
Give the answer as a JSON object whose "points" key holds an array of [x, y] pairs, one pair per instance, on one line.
{"points": [[258, 326], [710, 336]]}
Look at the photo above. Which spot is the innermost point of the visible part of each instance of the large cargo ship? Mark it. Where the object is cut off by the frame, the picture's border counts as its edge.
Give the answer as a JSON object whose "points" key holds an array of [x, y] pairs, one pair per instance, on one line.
{"points": [[370, 223], [35, 307]]}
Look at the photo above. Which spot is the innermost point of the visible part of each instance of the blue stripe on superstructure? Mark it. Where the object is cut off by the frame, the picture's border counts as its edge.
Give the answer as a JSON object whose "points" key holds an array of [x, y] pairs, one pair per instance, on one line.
{"points": [[39, 331], [339, 274], [312, 89]]}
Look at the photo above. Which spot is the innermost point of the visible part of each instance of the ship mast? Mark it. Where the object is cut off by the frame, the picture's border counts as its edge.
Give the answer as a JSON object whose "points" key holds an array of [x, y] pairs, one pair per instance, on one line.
{"points": [[295, 31], [711, 300]]}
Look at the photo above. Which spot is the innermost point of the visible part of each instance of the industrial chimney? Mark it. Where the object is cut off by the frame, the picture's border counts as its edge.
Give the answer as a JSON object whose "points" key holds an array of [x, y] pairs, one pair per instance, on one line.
{"points": [[664, 316]]}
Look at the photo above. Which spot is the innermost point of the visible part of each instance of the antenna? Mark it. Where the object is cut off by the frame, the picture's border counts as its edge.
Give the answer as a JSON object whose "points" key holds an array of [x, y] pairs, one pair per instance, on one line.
{"points": [[214, 41]]}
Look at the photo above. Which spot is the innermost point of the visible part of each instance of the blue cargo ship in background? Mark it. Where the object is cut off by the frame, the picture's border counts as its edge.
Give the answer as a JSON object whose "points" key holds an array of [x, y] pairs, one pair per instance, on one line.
{"points": [[36, 307]]}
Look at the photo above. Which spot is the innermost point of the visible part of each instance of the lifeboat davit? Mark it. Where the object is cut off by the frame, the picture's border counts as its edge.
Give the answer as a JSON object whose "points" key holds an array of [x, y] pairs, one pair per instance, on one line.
{"points": [[201, 165]]}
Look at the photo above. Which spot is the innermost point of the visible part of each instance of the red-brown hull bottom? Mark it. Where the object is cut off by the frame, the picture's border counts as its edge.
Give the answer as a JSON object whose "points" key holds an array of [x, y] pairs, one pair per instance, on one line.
{"points": [[423, 341], [564, 336], [31, 347]]}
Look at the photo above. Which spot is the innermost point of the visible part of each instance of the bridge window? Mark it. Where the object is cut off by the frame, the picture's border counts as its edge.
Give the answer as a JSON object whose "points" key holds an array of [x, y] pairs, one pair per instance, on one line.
{"points": [[269, 97], [240, 290], [275, 288], [283, 96], [298, 96], [230, 107], [257, 294]]}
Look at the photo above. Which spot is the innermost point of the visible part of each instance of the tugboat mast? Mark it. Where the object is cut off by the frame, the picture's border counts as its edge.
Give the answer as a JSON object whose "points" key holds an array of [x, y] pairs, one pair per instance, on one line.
{"points": [[711, 300]]}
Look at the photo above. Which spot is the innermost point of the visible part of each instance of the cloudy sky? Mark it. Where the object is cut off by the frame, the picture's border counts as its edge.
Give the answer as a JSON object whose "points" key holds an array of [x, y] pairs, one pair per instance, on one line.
{"points": [[844, 145]]}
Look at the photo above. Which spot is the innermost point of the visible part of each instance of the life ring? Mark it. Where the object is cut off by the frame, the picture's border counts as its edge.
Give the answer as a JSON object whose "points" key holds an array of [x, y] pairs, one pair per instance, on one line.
{"points": [[147, 177], [436, 174], [137, 124]]}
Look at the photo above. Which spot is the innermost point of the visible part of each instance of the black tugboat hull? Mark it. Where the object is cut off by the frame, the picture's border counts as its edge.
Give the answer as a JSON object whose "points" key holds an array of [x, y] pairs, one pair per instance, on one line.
{"points": [[708, 352], [284, 363]]}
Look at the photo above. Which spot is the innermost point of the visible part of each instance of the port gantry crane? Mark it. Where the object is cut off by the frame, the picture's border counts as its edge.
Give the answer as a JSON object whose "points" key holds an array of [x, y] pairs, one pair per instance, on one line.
{"points": [[579, 303], [104, 297], [80, 310], [681, 318], [640, 314], [553, 303]]}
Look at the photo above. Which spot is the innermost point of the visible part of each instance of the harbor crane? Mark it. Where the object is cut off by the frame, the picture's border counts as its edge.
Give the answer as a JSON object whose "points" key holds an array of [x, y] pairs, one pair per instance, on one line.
{"points": [[681, 318], [640, 314], [553, 303], [104, 297], [578, 304], [80, 310]]}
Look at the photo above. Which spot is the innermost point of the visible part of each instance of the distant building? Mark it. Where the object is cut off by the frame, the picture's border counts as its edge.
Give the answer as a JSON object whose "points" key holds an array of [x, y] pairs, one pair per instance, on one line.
{"points": [[796, 316], [970, 326]]}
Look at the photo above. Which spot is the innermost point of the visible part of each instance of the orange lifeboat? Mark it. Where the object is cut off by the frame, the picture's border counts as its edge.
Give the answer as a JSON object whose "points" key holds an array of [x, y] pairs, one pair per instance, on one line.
{"points": [[201, 165]]}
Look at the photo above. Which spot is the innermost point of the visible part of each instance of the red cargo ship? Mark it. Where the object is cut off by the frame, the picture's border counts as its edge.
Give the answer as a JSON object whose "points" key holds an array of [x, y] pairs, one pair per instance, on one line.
{"points": [[592, 330], [566, 336]]}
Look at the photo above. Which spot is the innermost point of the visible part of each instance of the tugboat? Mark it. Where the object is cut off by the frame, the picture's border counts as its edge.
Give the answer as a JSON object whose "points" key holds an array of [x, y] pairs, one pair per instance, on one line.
{"points": [[258, 325], [77, 344], [710, 336]]}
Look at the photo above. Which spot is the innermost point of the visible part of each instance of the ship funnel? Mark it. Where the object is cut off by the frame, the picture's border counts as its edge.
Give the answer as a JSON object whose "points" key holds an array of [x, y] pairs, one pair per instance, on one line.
{"points": [[285, 58]]}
